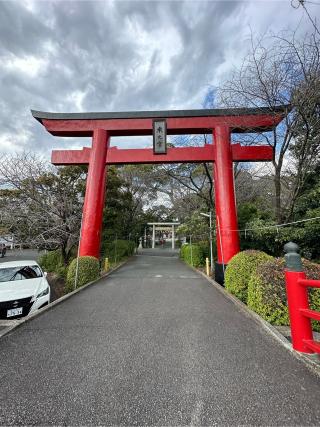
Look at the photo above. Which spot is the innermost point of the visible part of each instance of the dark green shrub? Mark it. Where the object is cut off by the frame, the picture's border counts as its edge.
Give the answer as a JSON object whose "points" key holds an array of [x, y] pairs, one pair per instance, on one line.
{"points": [[88, 270], [205, 249], [52, 262], [267, 291], [178, 243], [239, 271], [192, 255], [118, 249]]}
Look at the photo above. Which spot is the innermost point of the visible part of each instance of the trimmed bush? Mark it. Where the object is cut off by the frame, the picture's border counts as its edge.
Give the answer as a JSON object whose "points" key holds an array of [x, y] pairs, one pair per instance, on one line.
{"points": [[239, 271], [205, 249], [267, 291], [118, 249], [52, 262], [192, 255], [88, 270], [178, 243]]}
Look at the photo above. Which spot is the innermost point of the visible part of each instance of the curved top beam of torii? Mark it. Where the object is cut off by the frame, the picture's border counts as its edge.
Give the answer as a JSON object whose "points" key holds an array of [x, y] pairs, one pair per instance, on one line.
{"points": [[178, 121]]}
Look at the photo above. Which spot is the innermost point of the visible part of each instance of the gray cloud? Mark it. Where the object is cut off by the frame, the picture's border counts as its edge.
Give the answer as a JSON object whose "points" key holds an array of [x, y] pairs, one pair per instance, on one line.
{"points": [[109, 56]]}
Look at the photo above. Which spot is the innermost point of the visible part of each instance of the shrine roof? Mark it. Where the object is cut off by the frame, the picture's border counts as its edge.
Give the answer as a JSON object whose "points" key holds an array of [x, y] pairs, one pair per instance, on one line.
{"points": [[216, 112]]}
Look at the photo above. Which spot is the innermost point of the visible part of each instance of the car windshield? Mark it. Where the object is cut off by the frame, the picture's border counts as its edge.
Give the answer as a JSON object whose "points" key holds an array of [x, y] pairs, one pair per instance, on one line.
{"points": [[20, 273]]}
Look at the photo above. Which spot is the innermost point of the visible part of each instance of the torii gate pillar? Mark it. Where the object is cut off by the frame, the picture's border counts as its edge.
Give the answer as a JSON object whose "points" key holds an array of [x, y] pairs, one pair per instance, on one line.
{"points": [[225, 200], [95, 195]]}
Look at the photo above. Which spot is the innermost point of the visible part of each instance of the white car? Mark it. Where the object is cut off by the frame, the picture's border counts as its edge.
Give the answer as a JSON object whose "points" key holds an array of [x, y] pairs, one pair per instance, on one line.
{"points": [[23, 289]]}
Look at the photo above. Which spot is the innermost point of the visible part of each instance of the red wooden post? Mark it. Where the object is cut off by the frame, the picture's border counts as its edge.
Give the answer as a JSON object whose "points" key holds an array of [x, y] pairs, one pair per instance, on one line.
{"points": [[95, 194], [298, 299], [297, 296], [226, 211]]}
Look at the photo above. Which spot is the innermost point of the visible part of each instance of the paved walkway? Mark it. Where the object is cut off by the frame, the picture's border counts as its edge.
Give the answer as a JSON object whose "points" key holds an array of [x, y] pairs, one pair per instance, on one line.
{"points": [[20, 255], [154, 343]]}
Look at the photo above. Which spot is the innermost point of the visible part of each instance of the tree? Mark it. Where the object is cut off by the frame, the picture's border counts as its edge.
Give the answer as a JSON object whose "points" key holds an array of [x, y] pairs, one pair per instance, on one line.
{"points": [[40, 204], [282, 70], [195, 226], [128, 191]]}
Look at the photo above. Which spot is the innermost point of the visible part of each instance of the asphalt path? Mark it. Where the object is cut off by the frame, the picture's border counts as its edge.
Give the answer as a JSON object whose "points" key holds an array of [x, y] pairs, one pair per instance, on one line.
{"points": [[20, 255], [152, 344]]}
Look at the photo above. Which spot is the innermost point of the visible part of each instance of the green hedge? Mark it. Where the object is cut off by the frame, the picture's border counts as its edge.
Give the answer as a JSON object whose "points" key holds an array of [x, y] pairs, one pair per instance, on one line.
{"points": [[88, 270], [52, 262], [118, 249], [192, 254], [267, 291], [240, 269], [178, 243], [205, 249]]}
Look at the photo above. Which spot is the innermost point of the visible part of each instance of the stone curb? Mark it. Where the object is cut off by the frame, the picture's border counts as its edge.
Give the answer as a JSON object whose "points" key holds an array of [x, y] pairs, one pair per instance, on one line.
{"points": [[311, 364], [58, 301]]}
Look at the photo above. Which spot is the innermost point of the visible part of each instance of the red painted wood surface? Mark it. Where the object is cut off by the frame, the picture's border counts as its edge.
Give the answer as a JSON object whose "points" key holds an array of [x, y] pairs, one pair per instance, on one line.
{"points": [[226, 211], [174, 155], [313, 345], [94, 197], [176, 125], [310, 283], [298, 307], [310, 313]]}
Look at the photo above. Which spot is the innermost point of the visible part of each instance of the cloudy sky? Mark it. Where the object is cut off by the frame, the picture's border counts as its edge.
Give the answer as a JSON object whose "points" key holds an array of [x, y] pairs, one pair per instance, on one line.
{"points": [[70, 56]]}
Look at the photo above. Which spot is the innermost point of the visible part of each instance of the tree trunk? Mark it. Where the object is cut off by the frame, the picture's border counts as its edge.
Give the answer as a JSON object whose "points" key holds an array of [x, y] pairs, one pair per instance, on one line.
{"points": [[64, 255], [277, 187]]}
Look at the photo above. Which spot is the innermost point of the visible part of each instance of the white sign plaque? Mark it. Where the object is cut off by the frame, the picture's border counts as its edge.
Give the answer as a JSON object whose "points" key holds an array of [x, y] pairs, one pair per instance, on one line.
{"points": [[159, 136]]}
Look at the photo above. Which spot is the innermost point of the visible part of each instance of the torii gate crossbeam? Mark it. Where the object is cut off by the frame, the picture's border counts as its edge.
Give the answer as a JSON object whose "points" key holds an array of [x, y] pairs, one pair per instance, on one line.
{"points": [[102, 126]]}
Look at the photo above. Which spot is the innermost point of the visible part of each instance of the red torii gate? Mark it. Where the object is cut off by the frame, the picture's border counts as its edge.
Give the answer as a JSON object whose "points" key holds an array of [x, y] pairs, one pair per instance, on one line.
{"points": [[102, 126]]}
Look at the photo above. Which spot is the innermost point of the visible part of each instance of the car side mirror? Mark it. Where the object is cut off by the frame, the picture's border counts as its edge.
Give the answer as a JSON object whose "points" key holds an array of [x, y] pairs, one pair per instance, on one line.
{"points": [[45, 274]]}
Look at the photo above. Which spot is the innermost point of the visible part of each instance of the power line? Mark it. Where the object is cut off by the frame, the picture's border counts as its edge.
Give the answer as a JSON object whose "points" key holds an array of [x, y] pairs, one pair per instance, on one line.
{"points": [[277, 225], [302, 3]]}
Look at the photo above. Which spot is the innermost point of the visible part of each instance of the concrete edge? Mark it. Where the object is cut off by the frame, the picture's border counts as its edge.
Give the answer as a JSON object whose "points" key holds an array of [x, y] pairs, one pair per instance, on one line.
{"points": [[313, 366], [58, 301]]}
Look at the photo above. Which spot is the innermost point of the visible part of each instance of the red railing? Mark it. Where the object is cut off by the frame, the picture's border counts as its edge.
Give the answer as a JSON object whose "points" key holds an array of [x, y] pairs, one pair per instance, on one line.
{"points": [[300, 314]]}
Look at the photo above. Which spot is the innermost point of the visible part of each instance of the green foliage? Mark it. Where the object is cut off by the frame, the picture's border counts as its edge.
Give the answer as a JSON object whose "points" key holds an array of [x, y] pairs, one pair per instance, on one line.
{"points": [[195, 225], [267, 291], [270, 239], [309, 243], [192, 254], [250, 211], [310, 197], [123, 216], [178, 243], [240, 269], [52, 262], [205, 249], [88, 270], [265, 236], [117, 250]]}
